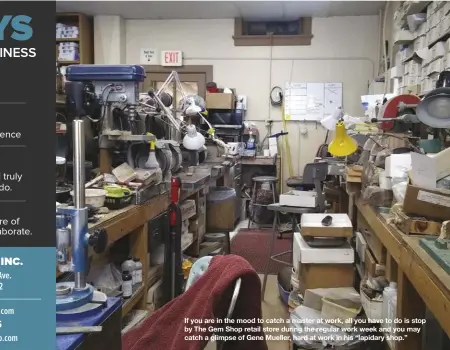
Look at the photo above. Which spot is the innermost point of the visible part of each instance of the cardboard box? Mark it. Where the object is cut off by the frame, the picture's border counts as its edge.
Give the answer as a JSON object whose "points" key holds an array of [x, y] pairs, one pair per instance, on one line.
{"points": [[313, 276], [311, 225], [220, 100], [432, 204]]}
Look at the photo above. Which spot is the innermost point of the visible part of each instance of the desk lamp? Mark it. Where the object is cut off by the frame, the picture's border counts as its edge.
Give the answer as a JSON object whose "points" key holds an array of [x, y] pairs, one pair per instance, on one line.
{"points": [[342, 144], [193, 140]]}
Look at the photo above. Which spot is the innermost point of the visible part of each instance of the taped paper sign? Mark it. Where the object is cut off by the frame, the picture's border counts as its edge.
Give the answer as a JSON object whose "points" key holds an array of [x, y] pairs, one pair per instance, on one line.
{"points": [[148, 56]]}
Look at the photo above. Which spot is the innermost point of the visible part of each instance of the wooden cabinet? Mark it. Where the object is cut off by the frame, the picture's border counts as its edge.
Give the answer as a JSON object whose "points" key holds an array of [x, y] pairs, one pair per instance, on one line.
{"points": [[84, 38]]}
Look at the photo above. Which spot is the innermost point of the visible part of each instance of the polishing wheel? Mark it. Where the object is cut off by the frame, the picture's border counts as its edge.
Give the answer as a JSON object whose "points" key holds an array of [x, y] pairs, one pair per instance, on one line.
{"points": [[434, 109]]}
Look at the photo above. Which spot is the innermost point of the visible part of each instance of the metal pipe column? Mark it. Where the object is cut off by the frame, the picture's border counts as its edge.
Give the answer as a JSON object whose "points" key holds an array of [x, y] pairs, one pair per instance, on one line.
{"points": [[80, 221]]}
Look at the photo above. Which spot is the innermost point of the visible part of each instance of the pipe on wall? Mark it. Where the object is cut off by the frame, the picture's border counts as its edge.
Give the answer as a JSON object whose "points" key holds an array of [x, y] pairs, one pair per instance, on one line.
{"points": [[284, 59]]}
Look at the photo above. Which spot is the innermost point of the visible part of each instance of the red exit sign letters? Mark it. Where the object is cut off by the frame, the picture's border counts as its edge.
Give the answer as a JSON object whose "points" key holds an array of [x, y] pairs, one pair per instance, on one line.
{"points": [[171, 58]]}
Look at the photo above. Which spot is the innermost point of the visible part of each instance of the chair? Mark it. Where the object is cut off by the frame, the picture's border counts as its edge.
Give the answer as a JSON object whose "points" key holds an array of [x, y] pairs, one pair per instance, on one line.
{"points": [[198, 268], [313, 177]]}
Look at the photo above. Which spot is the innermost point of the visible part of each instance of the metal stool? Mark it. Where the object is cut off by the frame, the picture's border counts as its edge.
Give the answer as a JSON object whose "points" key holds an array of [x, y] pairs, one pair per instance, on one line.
{"points": [[259, 180]]}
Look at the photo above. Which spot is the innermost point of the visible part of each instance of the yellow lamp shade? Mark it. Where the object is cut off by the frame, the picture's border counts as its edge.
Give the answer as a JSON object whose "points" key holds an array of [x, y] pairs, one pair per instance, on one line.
{"points": [[342, 144]]}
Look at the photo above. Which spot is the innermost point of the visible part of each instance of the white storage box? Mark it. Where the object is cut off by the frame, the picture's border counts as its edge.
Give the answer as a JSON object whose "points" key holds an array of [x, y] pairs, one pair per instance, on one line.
{"points": [[341, 312], [372, 308], [303, 253], [302, 199], [361, 246], [311, 225]]}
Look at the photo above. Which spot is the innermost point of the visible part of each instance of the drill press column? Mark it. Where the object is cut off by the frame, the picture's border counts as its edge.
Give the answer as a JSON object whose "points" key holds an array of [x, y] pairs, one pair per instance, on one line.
{"points": [[80, 220]]}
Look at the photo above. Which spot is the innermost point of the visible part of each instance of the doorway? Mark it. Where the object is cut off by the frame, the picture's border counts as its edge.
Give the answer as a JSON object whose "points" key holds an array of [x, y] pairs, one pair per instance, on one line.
{"points": [[193, 79]]}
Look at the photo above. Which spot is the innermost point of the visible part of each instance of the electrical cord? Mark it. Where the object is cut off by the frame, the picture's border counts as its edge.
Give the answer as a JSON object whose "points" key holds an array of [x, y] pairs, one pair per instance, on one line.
{"points": [[273, 101]]}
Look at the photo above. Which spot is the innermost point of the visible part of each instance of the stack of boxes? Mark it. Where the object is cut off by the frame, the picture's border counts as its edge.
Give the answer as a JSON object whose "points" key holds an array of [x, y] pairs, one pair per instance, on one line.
{"points": [[66, 32], [67, 50], [322, 266], [420, 62], [437, 25]]}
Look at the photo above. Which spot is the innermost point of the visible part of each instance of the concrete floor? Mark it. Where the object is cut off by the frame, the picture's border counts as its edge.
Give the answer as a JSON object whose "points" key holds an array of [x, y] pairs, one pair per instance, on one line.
{"points": [[273, 308]]}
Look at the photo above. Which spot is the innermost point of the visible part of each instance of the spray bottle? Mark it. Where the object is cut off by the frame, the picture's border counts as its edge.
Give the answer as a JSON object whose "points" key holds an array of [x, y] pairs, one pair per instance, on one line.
{"points": [[152, 162]]}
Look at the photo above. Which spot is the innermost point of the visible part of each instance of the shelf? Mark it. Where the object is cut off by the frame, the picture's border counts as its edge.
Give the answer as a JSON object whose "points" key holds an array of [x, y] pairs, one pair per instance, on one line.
{"points": [[129, 304], [154, 274], [63, 40], [68, 62], [443, 37]]}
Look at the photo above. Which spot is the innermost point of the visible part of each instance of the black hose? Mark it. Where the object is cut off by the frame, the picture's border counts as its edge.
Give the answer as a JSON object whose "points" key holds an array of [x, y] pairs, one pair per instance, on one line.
{"points": [[279, 102]]}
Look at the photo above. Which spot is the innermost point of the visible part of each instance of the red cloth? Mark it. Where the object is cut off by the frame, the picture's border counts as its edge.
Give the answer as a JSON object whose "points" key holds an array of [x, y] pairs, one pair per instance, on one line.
{"points": [[207, 299]]}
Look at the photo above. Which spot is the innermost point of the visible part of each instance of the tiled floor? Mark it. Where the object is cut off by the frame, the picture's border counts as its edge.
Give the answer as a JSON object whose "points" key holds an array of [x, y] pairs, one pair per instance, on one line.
{"points": [[273, 308]]}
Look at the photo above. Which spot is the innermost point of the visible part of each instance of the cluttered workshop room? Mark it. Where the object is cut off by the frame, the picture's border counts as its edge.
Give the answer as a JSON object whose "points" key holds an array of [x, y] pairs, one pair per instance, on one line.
{"points": [[252, 175]]}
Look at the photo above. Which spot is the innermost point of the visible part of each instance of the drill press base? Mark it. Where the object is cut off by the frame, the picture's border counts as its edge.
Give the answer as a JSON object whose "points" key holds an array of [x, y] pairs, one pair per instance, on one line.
{"points": [[72, 304], [109, 317], [439, 254]]}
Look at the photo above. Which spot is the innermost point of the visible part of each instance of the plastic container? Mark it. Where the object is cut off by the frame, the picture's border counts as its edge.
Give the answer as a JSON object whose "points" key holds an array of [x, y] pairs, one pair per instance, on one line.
{"points": [[127, 284], [251, 142], [388, 294], [94, 197], [284, 294], [220, 209], [345, 314], [138, 271], [129, 265]]}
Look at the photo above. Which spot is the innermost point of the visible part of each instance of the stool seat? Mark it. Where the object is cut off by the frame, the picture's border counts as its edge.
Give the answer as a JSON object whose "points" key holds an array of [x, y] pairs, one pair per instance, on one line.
{"points": [[265, 179]]}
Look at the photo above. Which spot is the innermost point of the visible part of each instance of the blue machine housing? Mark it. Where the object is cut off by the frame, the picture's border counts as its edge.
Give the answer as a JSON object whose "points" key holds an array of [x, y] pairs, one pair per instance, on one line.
{"points": [[95, 72]]}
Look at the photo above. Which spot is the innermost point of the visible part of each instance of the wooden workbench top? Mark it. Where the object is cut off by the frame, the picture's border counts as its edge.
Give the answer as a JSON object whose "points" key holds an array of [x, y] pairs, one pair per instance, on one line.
{"points": [[431, 282], [119, 223]]}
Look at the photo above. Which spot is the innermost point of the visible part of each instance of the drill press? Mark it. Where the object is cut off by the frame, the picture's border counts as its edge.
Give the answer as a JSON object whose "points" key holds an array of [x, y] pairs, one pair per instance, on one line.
{"points": [[72, 231], [78, 304], [115, 89]]}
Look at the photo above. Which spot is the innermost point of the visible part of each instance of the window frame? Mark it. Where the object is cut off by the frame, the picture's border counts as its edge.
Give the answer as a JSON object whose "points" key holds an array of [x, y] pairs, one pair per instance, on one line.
{"points": [[303, 39]]}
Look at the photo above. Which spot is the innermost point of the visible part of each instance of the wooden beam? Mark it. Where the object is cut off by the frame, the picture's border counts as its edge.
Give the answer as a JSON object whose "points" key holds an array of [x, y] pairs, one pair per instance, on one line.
{"points": [[410, 306]]}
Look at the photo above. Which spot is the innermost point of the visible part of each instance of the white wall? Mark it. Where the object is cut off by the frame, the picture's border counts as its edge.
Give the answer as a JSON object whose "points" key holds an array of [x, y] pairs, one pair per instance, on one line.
{"points": [[344, 49]]}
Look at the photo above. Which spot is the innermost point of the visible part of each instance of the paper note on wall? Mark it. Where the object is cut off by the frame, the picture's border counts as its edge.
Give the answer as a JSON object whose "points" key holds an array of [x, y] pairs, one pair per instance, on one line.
{"points": [[148, 56], [311, 101]]}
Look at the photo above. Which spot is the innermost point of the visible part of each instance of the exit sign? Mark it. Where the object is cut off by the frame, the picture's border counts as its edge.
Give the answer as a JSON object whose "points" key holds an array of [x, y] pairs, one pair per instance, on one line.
{"points": [[171, 58]]}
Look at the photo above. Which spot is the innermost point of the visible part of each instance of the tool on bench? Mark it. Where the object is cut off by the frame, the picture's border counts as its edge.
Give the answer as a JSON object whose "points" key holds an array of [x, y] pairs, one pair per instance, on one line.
{"points": [[173, 277], [439, 248]]}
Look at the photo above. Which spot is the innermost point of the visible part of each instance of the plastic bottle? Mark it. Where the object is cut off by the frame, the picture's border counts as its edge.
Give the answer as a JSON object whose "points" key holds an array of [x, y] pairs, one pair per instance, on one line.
{"points": [[127, 284], [239, 113], [138, 270], [129, 265], [388, 294], [251, 141], [392, 309]]}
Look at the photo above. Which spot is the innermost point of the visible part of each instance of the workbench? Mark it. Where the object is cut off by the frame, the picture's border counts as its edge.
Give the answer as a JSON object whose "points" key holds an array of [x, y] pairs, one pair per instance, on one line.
{"points": [[132, 221], [421, 282]]}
